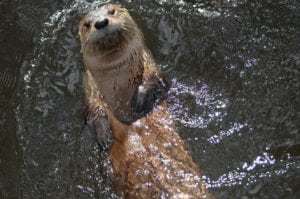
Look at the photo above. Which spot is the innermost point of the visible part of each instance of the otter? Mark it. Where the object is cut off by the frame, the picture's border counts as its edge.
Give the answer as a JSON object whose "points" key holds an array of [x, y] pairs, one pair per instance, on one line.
{"points": [[125, 97], [119, 69]]}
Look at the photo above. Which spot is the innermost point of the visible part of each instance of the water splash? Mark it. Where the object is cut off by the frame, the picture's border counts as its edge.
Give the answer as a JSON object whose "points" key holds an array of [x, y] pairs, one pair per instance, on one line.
{"points": [[198, 9], [236, 128], [50, 29], [201, 97], [260, 168], [208, 14]]}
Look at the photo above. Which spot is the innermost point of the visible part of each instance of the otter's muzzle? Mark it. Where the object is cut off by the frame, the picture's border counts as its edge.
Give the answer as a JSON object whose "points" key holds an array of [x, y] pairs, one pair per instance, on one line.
{"points": [[101, 24]]}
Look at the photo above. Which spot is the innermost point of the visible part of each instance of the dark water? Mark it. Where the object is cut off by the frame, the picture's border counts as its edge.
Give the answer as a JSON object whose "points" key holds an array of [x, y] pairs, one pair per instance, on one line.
{"points": [[235, 68]]}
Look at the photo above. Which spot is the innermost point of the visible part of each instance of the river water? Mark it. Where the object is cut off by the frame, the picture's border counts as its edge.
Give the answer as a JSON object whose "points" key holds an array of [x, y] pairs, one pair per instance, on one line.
{"points": [[235, 71]]}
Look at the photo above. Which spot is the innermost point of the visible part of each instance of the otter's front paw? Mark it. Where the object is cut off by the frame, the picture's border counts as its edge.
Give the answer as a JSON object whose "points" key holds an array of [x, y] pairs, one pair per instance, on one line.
{"points": [[103, 132], [143, 100], [148, 94], [98, 121]]}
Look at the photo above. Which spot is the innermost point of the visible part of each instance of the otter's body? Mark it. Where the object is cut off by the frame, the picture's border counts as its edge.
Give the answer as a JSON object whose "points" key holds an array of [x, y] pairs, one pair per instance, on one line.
{"points": [[151, 161], [124, 92]]}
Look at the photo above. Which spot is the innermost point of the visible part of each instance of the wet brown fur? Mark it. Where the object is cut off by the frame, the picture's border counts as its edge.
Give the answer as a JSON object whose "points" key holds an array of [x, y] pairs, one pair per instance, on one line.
{"points": [[149, 158]]}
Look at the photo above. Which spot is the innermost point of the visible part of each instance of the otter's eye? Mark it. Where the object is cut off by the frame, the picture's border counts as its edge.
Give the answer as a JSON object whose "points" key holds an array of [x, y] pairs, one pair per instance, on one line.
{"points": [[87, 25], [112, 12]]}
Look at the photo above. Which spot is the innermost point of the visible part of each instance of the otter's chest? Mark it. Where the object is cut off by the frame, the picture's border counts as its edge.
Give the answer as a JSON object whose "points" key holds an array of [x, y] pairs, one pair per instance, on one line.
{"points": [[118, 87], [118, 90]]}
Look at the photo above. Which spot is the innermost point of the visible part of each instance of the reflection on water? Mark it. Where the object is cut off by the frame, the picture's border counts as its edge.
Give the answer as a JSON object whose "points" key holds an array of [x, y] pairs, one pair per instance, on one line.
{"points": [[234, 67]]}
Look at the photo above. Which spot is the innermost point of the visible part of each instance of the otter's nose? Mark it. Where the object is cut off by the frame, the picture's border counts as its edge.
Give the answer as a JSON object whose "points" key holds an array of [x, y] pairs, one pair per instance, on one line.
{"points": [[101, 24]]}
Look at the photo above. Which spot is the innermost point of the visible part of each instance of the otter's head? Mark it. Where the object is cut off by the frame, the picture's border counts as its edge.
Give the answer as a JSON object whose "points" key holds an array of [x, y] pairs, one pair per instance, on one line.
{"points": [[107, 28]]}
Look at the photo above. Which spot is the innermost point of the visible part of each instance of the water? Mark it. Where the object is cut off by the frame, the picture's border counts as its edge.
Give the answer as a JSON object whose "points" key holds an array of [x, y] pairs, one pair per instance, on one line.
{"points": [[234, 67]]}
